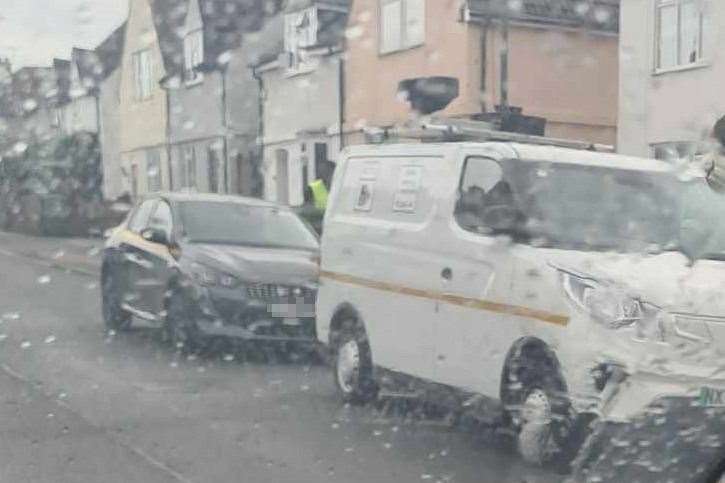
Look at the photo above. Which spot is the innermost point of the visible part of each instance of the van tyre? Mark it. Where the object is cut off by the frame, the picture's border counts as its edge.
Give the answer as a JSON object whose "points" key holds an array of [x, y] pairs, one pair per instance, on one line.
{"points": [[353, 366], [536, 407], [114, 317]]}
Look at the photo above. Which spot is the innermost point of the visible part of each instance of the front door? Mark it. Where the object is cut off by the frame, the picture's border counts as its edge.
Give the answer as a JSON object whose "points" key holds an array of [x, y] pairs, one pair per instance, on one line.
{"points": [[153, 274], [132, 256]]}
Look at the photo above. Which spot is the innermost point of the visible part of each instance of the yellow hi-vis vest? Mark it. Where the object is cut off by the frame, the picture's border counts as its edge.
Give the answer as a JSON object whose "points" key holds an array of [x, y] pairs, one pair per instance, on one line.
{"points": [[319, 193]]}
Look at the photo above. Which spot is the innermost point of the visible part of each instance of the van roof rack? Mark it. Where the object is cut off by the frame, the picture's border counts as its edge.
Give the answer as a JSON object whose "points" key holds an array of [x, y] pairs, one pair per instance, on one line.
{"points": [[458, 130]]}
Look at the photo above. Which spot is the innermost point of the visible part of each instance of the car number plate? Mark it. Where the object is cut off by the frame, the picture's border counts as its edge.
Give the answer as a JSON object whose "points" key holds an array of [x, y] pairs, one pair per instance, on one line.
{"points": [[711, 397], [292, 311]]}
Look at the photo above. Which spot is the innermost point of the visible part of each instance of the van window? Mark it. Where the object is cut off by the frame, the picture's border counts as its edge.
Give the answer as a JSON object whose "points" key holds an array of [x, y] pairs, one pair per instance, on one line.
{"points": [[486, 201], [395, 189], [569, 206]]}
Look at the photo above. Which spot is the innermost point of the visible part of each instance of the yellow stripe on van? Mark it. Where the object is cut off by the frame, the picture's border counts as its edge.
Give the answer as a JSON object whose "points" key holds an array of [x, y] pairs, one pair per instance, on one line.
{"points": [[472, 303]]}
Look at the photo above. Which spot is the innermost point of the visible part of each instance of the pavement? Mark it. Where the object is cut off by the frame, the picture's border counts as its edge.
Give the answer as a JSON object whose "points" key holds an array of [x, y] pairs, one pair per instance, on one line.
{"points": [[78, 404]]}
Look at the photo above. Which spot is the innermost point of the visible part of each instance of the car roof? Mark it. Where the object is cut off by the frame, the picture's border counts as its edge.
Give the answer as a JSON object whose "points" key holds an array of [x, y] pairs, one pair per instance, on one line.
{"points": [[182, 196], [521, 151]]}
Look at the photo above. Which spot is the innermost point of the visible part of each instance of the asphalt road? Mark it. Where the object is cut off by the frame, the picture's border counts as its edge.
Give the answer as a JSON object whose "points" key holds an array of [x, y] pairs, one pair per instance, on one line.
{"points": [[80, 405]]}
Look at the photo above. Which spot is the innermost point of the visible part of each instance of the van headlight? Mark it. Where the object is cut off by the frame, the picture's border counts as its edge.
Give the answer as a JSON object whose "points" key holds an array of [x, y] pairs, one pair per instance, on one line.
{"points": [[607, 304]]}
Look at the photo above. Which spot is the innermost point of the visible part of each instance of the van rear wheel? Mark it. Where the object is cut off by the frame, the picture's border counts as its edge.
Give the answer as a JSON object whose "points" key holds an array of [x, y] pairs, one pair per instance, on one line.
{"points": [[353, 367]]}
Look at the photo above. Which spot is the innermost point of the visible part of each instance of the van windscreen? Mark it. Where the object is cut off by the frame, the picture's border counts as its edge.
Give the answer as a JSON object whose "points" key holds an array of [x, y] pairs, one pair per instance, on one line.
{"points": [[571, 206]]}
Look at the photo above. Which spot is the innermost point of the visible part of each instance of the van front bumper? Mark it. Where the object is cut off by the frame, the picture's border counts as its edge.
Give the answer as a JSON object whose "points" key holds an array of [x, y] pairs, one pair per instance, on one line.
{"points": [[656, 429]]}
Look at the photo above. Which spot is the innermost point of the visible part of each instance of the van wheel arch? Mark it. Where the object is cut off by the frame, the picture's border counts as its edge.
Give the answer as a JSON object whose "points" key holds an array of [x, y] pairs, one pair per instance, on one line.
{"points": [[343, 313], [532, 375], [526, 347]]}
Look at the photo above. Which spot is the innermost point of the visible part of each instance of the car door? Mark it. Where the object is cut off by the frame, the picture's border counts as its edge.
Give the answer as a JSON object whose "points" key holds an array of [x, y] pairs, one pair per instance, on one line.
{"points": [[131, 248], [475, 326], [153, 273]]}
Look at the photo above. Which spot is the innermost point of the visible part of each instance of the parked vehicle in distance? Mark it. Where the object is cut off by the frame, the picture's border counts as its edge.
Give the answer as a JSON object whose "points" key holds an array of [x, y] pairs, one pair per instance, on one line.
{"points": [[203, 265], [529, 278]]}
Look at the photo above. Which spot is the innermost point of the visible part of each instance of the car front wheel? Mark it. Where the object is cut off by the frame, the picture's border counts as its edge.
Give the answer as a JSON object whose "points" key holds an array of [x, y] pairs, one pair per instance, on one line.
{"points": [[114, 317], [181, 330]]}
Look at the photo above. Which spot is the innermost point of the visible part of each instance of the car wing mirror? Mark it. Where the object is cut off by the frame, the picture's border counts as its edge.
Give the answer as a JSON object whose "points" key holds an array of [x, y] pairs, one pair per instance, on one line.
{"points": [[155, 235]]}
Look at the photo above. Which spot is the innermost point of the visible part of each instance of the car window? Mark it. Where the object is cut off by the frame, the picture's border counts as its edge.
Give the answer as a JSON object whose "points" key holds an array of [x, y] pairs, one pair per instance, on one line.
{"points": [[139, 220], [162, 218]]}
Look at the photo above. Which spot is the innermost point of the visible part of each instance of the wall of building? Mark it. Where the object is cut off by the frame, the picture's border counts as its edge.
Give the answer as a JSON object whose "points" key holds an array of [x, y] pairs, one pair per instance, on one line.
{"points": [[80, 114], [671, 106], [569, 77], [243, 106], [299, 110], [114, 182], [143, 122], [452, 48]]}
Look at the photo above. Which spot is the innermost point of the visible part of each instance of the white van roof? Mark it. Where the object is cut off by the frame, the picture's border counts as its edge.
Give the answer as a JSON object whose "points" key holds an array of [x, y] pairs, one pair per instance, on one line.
{"points": [[525, 152]]}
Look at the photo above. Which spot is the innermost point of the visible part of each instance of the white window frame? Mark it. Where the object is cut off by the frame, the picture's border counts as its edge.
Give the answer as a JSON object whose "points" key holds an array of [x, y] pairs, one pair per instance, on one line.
{"points": [[142, 74], [297, 39], [406, 38], [680, 62], [193, 56]]}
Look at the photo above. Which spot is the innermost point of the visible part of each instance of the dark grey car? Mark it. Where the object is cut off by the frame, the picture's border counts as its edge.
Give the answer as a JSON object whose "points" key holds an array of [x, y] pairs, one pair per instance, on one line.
{"points": [[204, 266]]}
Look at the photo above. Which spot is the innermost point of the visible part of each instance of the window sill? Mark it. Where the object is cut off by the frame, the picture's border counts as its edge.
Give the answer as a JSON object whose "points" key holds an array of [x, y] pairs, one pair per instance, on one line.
{"points": [[195, 82], [399, 50], [681, 68], [299, 71]]}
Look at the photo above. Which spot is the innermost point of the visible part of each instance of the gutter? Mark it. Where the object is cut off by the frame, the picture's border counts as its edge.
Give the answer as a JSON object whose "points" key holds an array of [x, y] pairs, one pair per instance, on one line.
{"points": [[166, 89], [260, 120], [225, 126]]}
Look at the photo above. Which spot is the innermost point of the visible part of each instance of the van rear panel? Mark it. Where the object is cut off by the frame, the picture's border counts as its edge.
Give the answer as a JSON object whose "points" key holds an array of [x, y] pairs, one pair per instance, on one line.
{"points": [[377, 245]]}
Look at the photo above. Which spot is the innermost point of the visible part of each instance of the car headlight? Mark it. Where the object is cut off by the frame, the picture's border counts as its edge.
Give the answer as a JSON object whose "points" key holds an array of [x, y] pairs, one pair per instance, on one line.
{"points": [[210, 277], [609, 305]]}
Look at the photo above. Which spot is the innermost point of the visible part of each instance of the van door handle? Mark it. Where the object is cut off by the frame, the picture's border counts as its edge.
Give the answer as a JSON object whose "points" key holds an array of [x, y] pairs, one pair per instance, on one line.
{"points": [[447, 274]]}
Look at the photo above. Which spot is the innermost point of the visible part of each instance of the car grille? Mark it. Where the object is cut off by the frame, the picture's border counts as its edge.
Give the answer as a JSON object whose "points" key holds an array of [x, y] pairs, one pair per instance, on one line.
{"points": [[270, 292]]}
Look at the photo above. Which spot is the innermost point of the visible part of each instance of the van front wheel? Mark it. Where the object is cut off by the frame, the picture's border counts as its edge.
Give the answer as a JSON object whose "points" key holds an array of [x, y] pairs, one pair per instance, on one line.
{"points": [[537, 408], [353, 365]]}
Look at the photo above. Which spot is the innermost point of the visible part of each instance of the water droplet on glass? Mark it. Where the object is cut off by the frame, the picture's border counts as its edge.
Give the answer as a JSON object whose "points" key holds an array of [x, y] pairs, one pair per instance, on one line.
{"points": [[26, 345], [50, 339], [44, 279]]}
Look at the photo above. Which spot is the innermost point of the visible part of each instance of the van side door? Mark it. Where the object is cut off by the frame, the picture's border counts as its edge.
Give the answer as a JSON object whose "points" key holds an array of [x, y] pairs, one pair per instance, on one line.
{"points": [[475, 328]]}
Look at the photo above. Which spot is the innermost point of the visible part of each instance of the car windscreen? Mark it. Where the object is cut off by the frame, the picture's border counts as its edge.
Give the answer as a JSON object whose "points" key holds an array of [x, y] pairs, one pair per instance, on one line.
{"points": [[572, 206], [240, 224]]}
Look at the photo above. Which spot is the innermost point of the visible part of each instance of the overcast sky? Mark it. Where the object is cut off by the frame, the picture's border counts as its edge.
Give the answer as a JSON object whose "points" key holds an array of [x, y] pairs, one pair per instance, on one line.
{"points": [[33, 32]]}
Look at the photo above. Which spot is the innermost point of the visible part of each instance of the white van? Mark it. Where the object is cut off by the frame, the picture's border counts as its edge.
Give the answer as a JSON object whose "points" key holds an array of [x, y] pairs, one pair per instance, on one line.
{"points": [[540, 277]]}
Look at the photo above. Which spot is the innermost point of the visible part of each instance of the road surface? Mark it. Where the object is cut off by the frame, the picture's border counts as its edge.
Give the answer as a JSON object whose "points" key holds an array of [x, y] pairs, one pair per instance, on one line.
{"points": [[80, 405]]}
